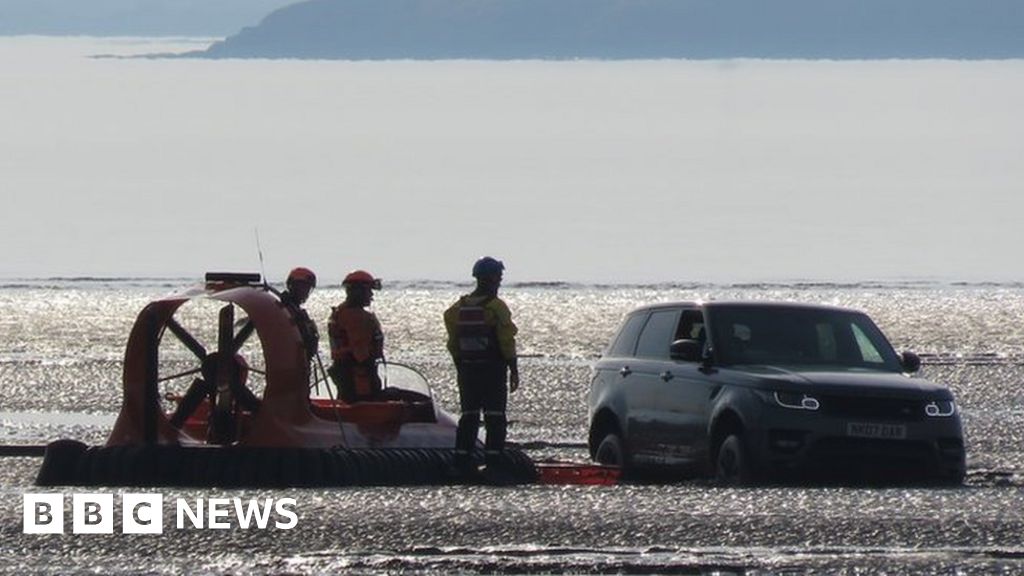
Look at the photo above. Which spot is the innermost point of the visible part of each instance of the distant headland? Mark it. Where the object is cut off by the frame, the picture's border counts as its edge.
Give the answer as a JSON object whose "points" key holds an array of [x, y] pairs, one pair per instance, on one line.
{"points": [[633, 29]]}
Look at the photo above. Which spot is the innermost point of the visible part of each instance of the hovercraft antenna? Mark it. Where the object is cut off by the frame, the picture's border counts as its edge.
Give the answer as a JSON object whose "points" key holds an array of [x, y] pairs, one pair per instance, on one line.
{"points": [[259, 252]]}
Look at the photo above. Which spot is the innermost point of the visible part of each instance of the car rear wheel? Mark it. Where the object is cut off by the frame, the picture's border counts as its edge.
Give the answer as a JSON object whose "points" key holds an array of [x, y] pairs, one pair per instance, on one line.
{"points": [[732, 467], [611, 451]]}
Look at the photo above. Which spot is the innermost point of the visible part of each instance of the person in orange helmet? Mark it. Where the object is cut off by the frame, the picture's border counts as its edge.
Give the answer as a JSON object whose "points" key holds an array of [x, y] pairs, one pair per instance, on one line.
{"points": [[357, 341], [300, 283]]}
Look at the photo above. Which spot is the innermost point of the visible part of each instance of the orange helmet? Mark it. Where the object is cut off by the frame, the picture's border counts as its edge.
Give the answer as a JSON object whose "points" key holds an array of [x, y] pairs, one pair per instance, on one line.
{"points": [[301, 274], [357, 277]]}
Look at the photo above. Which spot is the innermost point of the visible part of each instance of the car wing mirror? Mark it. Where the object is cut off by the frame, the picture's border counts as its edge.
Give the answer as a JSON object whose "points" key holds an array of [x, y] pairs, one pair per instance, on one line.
{"points": [[686, 350], [911, 362]]}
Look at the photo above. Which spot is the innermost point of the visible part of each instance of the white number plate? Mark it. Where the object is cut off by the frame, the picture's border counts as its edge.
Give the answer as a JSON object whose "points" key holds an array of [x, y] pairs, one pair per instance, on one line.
{"points": [[874, 430]]}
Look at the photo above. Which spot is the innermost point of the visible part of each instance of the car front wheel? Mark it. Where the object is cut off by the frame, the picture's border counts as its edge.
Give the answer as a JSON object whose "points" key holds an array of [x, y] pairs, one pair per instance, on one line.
{"points": [[732, 467], [611, 451]]}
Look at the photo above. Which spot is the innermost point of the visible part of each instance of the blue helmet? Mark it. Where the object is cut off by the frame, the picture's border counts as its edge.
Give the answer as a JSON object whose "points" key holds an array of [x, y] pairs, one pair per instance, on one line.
{"points": [[487, 266]]}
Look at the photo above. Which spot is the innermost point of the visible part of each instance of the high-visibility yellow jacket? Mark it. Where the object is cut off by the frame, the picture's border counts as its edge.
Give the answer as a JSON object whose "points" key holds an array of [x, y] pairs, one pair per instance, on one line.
{"points": [[480, 327]]}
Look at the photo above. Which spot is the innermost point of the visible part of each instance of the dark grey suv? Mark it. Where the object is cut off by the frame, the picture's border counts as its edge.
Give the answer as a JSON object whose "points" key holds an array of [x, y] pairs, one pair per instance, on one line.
{"points": [[752, 391]]}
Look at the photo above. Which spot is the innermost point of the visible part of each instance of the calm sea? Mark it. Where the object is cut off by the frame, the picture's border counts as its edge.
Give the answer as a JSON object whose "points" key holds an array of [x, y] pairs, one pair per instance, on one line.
{"points": [[630, 171], [61, 346]]}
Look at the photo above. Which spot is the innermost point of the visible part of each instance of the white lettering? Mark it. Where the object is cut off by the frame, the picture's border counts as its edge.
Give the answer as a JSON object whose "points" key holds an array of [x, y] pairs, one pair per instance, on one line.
{"points": [[283, 510], [142, 514], [217, 509], [185, 510], [43, 514], [246, 515], [92, 513]]}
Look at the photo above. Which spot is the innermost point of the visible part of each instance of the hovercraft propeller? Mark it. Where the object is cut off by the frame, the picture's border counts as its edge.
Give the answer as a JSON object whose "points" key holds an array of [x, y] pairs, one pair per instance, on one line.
{"points": [[223, 376]]}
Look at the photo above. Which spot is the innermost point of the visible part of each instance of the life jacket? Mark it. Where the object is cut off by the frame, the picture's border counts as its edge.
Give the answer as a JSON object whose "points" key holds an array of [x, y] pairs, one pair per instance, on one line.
{"points": [[356, 344], [477, 340], [355, 335]]}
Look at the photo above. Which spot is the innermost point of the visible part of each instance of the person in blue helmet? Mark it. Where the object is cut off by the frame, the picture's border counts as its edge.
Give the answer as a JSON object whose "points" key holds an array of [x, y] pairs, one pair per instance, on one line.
{"points": [[482, 343]]}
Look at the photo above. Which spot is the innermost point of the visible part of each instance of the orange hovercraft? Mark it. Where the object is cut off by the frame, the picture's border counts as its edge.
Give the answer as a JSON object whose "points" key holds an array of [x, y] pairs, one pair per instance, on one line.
{"points": [[220, 432]]}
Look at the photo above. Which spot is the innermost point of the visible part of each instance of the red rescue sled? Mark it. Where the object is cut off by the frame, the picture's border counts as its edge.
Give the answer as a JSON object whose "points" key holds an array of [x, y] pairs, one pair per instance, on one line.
{"points": [[578, 473]]}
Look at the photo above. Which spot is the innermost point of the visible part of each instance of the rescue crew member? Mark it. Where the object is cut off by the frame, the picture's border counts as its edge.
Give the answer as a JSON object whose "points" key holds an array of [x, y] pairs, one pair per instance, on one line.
{"points": [[300, 283], [357, 341], [482, 342]]}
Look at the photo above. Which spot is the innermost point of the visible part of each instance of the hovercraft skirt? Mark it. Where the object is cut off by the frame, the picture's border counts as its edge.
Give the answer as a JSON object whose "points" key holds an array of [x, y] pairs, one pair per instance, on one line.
{"points": [[68, 462]]}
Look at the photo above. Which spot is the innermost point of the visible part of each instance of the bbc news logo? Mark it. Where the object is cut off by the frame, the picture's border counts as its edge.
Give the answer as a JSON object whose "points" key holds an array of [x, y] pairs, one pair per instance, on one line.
{"points": [[144, 513]]}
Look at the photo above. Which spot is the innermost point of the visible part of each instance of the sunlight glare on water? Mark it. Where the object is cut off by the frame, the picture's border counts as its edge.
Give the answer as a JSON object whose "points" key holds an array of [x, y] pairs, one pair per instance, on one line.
{"points": [[687, 527]]}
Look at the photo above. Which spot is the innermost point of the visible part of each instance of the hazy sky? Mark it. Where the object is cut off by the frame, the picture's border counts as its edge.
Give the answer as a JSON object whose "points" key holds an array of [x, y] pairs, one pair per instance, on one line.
{"points": [[582, 171]]}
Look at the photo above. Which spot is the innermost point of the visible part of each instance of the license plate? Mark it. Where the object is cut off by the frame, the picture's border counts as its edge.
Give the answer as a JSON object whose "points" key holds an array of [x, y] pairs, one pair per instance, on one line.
{"points": [[875, 430]]}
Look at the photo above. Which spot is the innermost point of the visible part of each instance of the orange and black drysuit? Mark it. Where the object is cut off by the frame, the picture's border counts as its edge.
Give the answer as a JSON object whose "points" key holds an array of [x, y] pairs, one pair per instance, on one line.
{"points": [[482, 342], [357, 342]]}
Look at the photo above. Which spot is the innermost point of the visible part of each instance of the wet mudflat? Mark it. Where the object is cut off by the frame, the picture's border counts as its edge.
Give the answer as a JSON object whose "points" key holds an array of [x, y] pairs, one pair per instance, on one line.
{"points": [[62, 381], [687, 527]]}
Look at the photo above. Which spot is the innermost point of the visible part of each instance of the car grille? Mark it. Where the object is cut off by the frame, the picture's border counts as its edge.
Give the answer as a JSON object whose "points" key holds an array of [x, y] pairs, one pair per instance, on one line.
{"points": [[844, 448], [855, 460], [890, 409], [862, 459]]}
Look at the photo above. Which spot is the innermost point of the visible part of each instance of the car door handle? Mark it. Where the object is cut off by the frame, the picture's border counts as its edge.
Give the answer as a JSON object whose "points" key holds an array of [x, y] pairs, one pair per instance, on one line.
{"points": [[625, 371], [667, 375]]}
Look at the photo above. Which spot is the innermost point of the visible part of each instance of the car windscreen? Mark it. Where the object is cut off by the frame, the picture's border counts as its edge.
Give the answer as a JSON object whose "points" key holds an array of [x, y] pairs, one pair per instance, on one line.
{"points": [[778, 335]]}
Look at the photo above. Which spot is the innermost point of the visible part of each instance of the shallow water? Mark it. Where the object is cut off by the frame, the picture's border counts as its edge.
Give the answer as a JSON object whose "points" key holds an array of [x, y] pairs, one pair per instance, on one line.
{"points": [[60, 361]]}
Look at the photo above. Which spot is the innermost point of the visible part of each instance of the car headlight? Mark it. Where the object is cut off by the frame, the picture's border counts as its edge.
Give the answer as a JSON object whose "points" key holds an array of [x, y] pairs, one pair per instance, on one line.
{"points": [[797, 401], [940, 408]]}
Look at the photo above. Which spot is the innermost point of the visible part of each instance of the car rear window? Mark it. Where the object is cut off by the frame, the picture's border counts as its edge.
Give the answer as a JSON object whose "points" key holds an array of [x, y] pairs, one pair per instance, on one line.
{"points": [[658, 334], [625, 341]]}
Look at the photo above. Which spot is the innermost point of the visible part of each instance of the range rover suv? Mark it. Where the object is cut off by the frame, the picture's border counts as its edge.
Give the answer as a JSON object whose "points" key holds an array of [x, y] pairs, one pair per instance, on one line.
{"points": [[752, 391]]}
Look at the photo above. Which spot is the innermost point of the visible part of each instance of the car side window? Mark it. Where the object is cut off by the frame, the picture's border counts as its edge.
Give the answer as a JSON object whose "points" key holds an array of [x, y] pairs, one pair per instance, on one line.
{"points": [[658, 334], [625, 342], [868, 352], [691, 326]]}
